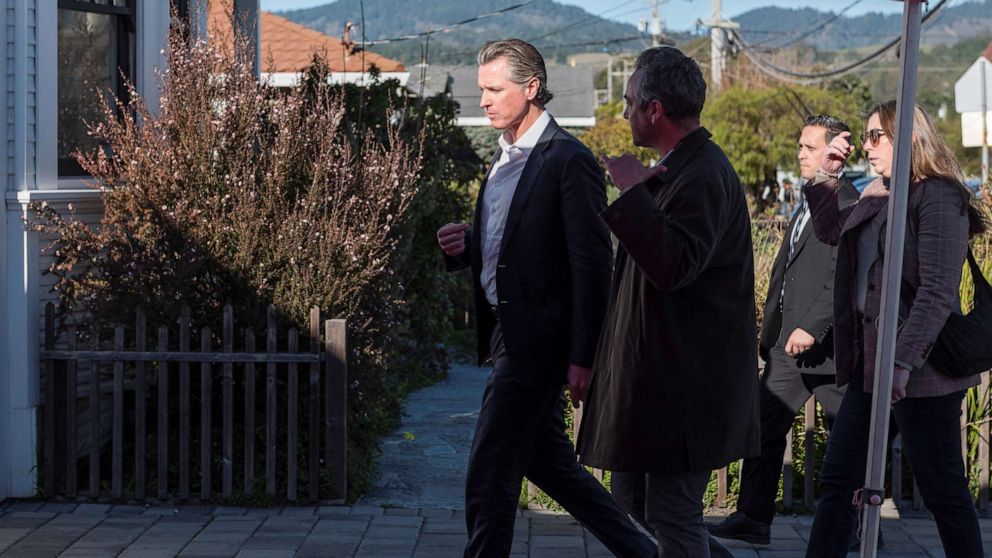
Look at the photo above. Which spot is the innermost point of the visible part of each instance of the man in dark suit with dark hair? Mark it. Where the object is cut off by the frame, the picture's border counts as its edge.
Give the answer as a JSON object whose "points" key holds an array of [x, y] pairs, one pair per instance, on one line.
{"points": [[540, 261], [796, 343]]}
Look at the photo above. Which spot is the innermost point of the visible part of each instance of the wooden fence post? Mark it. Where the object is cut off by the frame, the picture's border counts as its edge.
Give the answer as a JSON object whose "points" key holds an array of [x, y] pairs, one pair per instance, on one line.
{"points": [[292, 416], [94, 446], [983, 443], [72, 406], [249, 414], [227, 487], [140, 421], [206, 415], [270, 405], [787, 469], [185, 428], [163, 415], [48, 386], [117, 461], [336, 417], [314, 395]]}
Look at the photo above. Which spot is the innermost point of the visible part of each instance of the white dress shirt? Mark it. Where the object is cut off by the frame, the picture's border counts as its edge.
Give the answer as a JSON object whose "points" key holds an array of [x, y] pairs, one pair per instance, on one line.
{"points": [[500, 187]]}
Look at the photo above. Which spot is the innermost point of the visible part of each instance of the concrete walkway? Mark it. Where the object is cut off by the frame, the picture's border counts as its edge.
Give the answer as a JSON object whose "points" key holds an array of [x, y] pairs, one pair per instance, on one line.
{"points": [[414, 510]]}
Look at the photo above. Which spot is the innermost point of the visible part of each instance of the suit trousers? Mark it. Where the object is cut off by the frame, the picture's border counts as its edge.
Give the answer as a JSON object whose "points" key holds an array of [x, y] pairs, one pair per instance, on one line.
{"points": [[931, 434], [783, 391], [521, 432], [670, 505]]}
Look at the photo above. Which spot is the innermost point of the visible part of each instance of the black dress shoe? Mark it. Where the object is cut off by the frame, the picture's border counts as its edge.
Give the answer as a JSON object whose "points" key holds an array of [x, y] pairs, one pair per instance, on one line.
{"points": [[740, 527], [856, 541]]}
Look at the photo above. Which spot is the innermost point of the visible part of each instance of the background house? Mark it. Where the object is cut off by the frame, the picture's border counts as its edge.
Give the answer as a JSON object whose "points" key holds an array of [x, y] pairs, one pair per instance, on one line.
{"points": [[287, 48]]}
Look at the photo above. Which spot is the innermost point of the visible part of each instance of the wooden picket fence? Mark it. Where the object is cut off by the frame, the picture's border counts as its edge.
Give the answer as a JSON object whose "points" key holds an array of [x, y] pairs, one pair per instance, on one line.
{"points": [[143, 378]]}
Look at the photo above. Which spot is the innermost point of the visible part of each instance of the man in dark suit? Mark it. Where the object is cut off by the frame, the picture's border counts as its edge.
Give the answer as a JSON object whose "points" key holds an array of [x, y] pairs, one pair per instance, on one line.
{"points": [[796, 344], [675, 389], [540, 261]]}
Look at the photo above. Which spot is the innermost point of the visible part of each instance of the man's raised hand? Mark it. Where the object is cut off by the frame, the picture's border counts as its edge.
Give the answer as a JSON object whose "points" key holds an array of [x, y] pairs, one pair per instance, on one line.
{"points": [[451, 238], [626, 171]]}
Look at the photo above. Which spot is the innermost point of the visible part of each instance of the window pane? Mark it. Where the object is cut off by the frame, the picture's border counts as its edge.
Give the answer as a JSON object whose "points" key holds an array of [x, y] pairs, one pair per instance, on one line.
{"points": [[87, 64]]}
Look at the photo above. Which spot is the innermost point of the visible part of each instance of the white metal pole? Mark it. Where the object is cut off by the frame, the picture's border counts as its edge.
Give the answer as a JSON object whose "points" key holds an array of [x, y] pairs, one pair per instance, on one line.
{"points": [[985, 127], [873, 493]]}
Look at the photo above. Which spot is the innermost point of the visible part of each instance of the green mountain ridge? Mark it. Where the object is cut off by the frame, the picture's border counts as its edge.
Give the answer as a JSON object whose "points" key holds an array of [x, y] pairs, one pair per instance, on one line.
{"points": [[556, 29], [559, 30]]}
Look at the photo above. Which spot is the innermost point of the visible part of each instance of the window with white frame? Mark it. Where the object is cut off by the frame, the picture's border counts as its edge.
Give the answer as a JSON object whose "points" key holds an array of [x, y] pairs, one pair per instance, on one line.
{"points": [[96, 50]]}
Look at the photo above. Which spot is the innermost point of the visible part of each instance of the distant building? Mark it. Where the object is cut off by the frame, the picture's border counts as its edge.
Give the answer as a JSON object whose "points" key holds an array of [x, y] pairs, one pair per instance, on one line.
{"points": [[286, 49], [574, 104]]}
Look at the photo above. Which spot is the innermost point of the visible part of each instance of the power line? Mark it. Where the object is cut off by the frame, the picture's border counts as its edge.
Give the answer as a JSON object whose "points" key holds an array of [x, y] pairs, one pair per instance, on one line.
{"points": [[575, 23], [785, 74], [448, 27], [814, 29]]}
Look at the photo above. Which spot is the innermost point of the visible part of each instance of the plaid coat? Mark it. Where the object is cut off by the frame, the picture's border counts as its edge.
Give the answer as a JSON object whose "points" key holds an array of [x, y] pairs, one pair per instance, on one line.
{"points": [[934, 253]]}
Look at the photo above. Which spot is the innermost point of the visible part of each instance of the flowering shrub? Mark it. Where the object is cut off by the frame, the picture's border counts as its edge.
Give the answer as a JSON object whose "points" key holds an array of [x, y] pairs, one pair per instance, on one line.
{"points": [[236, 192]]}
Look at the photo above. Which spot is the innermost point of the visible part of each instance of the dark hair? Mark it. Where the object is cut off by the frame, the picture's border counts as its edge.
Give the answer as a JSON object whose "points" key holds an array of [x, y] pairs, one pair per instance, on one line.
{"points": [[673, 79], [524, 62], [833, 125]]}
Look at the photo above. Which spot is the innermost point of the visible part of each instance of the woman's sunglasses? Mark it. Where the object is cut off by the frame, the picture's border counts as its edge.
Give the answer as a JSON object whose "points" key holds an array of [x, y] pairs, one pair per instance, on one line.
{"points": [[872, 136]]}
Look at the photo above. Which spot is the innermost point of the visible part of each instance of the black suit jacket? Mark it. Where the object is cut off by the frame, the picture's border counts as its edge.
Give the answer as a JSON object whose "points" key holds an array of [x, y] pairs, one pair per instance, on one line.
{"points": [[809, 290], [553, 272]]}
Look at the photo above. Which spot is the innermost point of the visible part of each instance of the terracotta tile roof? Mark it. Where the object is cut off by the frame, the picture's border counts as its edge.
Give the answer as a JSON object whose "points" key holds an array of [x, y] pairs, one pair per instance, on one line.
{"points": [[289, 47], [988, 52]]}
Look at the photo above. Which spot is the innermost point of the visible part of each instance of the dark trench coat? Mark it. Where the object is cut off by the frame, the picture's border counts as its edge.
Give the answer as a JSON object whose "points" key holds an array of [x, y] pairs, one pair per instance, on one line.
{"points": [[675, 381]]}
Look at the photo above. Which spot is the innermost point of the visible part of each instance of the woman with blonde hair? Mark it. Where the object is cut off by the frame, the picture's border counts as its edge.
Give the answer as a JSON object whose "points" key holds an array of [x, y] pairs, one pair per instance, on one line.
{"points": [[926, 400]]}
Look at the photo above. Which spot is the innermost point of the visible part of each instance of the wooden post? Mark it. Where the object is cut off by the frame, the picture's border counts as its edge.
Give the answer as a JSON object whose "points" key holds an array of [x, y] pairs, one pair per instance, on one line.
{"points": [[809, 448], [185, 427], [983, 444], [270, 406], [117, 461], [163, 416], [721, 487], [336, 417], [314, 394], [72, 407], [249, 414], [94, 425], [787, 478], [292, 416], [48, 383], [206, 412], [140, 419], [897, 469], [228, 395]]}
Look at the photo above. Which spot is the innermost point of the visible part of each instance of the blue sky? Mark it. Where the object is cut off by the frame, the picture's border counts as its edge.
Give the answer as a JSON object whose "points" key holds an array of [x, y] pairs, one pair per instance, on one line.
{"points": [[676, 14]]}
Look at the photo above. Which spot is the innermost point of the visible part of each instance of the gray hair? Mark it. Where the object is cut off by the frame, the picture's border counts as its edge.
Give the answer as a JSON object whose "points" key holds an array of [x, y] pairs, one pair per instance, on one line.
{"points": [[524, 62], [673, 79]]}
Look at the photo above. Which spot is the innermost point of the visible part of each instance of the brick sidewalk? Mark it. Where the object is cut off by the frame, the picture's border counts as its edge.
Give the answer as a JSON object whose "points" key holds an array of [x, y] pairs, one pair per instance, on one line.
{"points": [[34, 529]]}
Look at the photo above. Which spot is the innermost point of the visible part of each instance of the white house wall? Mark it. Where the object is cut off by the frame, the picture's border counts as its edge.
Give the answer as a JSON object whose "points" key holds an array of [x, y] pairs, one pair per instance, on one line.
{"points": [[19, 365], [29, 173], [6, 97]]}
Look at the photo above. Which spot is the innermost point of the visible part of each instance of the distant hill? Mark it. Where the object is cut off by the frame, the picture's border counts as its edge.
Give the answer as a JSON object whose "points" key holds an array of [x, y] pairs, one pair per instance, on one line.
{"points": [[774, 27], [555, 28]]}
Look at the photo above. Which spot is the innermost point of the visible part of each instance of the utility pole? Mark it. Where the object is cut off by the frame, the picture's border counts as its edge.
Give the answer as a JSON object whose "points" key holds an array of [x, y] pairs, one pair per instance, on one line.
{"points": [[658, 37], [718, 44]]}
